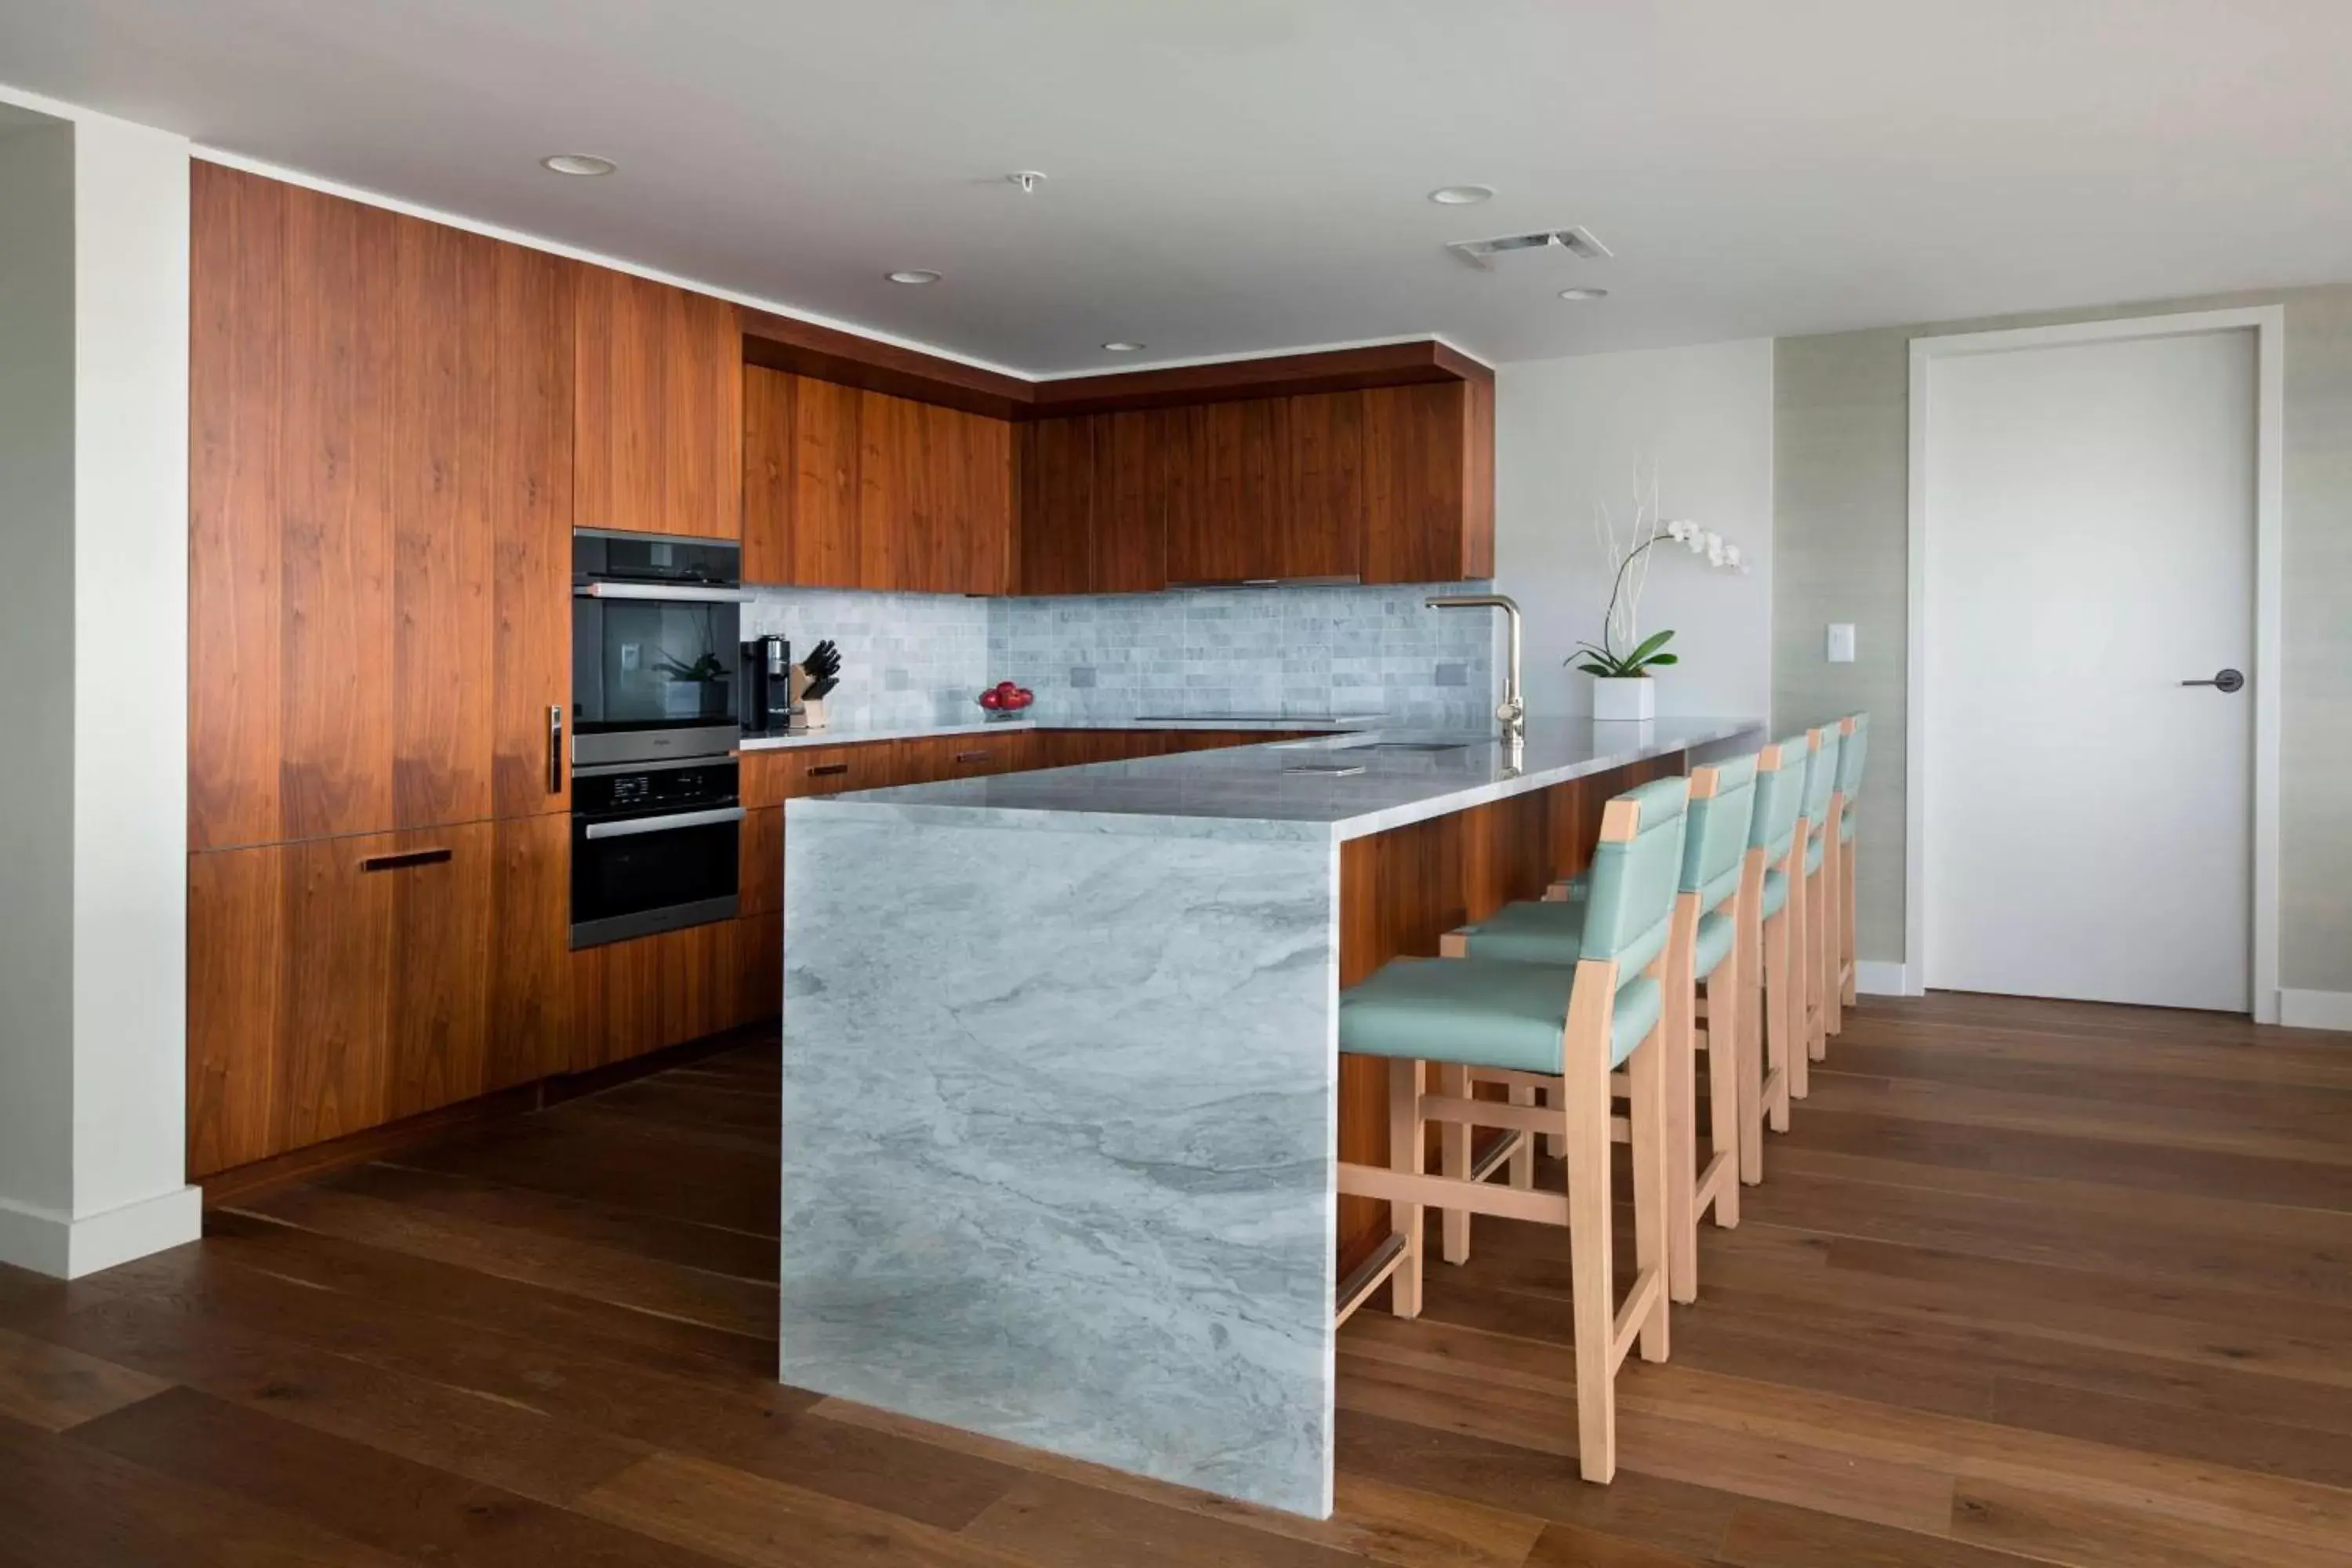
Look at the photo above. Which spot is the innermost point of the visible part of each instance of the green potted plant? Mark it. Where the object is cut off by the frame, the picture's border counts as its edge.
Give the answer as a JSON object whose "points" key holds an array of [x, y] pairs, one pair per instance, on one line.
{"points": [[1622, 687]]}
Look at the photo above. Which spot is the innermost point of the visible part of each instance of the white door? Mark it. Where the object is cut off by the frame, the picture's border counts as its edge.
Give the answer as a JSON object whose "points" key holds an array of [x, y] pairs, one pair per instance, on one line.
{"points": [[2090, 545]]}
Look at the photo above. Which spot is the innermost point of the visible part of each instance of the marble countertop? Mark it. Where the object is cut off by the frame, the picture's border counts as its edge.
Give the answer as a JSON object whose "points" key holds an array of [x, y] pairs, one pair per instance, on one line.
{"points": [[1331, 788], [847, 736]]}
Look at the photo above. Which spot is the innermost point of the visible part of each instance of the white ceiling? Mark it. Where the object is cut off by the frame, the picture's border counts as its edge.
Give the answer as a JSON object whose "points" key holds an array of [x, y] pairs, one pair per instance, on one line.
{"points": [[1237, 175]]}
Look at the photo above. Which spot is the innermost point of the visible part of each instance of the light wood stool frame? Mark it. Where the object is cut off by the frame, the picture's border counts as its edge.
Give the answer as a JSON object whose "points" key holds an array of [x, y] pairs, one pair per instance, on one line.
{"points": [[1580, 1114]]}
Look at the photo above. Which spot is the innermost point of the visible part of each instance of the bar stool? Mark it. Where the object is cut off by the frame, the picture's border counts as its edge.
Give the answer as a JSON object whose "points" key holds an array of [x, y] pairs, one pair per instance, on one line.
{"points": [[1819, 934], [1701, 950], [1770, 934], [1853, 744], [1563, 1031]]}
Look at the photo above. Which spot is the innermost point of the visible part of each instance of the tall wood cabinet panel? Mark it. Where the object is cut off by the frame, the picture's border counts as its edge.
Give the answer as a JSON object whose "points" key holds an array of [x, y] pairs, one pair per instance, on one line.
{"points": [[658, 428], [972, 552], [380, 465], [530, 1020]]}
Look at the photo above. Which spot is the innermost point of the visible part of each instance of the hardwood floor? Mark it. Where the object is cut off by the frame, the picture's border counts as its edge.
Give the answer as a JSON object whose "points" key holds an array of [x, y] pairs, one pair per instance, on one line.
{"points": [[2027, 1282]]}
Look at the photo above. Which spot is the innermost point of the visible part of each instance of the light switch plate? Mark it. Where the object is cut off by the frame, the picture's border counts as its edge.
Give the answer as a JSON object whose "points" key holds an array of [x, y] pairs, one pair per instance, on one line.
{"points": [[1841, 642]]}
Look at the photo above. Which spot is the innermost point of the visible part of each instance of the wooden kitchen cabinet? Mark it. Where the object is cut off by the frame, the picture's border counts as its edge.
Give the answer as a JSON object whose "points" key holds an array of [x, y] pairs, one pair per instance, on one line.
{"points": [[851, 489], [657, 427], [1328, 514], [378, 518], [338, 983], [1093, 514], [976, 756], [1226, 467], [800, 480], [632, 997], [1429, 466]]}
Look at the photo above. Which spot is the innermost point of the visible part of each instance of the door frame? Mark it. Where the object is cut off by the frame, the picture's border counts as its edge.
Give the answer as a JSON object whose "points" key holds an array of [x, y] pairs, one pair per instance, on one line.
{"points": [[2268, 323]]}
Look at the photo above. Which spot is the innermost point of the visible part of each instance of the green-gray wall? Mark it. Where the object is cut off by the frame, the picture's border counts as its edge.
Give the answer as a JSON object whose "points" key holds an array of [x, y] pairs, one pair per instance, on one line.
{"points": [[1840, 534]]}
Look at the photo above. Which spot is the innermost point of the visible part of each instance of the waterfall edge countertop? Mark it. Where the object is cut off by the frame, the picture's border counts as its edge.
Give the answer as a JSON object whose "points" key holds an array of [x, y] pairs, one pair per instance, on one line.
{"points": [[1061, 1085], [1325, 788], [852, 736]]}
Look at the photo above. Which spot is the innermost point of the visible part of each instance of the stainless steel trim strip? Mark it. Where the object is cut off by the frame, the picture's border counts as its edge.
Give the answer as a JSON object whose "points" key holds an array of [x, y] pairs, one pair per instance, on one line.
{"points": [[673, 593], [606, 770], [711, 540], [631, 827], [700, 743], [652, 923]]}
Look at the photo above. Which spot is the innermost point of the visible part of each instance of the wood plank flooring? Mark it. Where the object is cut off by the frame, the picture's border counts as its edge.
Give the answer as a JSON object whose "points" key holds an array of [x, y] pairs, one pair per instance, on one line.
{"points": [[2029, 1282]]}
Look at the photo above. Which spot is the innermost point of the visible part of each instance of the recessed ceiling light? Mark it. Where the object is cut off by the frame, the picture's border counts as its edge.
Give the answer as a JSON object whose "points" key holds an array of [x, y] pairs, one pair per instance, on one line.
{"points": [[1584, 293], [1121, 346], [914, 275], [1461, 196], [578, 164]]}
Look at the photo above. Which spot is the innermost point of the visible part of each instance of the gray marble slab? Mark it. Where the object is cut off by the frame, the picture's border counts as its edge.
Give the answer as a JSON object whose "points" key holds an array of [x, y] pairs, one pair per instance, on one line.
{"points": [[1279, 790], [1058, 1115], [852, 735]]}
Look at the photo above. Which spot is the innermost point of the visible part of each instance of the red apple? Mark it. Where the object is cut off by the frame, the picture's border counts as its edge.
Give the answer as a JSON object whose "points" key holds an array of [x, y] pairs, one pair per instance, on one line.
{"points": [[1007, 688], [991, 697]]}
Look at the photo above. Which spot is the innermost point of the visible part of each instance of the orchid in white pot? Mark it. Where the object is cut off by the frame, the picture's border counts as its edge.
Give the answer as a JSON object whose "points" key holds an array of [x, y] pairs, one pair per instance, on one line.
{"points": [[1622, 683]]}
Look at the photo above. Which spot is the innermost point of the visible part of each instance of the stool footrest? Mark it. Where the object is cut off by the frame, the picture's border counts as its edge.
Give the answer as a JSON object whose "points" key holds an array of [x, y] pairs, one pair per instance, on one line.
{"points": [[1453, 1193], [1369, 1277], [1491, 1113], [1633, 1313]]}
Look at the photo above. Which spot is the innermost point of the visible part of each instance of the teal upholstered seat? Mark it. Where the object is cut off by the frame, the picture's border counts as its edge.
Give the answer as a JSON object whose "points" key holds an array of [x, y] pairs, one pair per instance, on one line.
{"points": [[1776, 894], [1489, 1011], [1813, 852], [1530, 931], [1482, 1012]]}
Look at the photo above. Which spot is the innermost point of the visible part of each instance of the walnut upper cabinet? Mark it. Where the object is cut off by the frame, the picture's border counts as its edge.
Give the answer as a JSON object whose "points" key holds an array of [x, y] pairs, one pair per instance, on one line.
{"points": [[657, 424], [380, 513], [851, 488], [1390, 484]]}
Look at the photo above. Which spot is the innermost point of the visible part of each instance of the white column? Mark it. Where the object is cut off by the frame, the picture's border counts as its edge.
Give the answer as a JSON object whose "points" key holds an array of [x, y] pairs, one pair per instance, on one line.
{"points": [[93, 700]]}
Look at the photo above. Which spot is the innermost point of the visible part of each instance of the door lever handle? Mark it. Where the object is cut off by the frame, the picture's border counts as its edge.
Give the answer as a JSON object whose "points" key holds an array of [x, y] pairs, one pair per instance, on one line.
{"points": [[2226, 680]]}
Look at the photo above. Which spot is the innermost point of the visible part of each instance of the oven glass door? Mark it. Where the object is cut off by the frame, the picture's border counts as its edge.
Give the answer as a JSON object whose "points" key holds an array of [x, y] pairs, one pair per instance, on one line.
{"points": [[636, 877], [650, 663]]}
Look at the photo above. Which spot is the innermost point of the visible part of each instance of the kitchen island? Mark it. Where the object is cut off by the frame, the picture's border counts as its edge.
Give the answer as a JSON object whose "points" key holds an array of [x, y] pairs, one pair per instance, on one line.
{"points": [[1062, 1093]]}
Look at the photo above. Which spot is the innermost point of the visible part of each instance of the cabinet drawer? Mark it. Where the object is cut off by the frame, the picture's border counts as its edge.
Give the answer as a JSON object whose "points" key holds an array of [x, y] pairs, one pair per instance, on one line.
{"points": [[773, 777], [961, 756]]}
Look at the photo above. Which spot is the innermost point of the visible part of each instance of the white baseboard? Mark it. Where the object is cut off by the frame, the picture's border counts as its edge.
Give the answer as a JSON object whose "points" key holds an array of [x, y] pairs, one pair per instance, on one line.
{"points": [[1882, 977], [50, 1243], [2315, 1009]]}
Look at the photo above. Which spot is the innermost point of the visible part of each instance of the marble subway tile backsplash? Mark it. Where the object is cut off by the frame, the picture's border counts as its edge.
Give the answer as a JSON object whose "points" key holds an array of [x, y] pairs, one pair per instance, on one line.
{"points": [[912, 659], [1345, 652], [906, 660]]}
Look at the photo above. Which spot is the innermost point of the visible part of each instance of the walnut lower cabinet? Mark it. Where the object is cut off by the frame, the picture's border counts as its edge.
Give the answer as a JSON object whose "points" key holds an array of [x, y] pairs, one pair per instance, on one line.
{"points": [[336, 984]]}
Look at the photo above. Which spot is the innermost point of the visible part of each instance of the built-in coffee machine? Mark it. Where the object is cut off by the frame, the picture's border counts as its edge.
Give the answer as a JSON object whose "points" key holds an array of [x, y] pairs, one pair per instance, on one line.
{"points": [[767, 685]]}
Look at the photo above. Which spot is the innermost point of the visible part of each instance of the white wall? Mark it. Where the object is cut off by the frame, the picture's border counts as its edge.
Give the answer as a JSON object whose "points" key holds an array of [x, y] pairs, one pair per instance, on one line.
{"points": [[1568, 433], [37, 640], [93, 1021]]}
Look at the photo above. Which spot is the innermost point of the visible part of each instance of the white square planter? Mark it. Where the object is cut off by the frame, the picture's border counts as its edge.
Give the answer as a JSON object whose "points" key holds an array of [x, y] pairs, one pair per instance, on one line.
{"points": [[1629, 697]]}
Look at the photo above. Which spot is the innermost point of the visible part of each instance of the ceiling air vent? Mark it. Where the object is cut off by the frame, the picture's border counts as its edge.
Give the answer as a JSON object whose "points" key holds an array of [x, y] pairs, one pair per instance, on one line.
{"points": [[1481, 253]]}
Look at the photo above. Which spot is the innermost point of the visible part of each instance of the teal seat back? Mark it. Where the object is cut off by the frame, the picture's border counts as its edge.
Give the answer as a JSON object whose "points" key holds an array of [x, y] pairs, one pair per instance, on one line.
{"points": [[1850, 753], [1780, 797], [1821, 777], [1715, 838], [1630, 902]]}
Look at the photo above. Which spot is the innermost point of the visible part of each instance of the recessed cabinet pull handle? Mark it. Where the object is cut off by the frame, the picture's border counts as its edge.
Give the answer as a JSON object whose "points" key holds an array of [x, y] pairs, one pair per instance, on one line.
{"points": [[403, 859], [554, 749], [826, 770], [971, 756]]}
